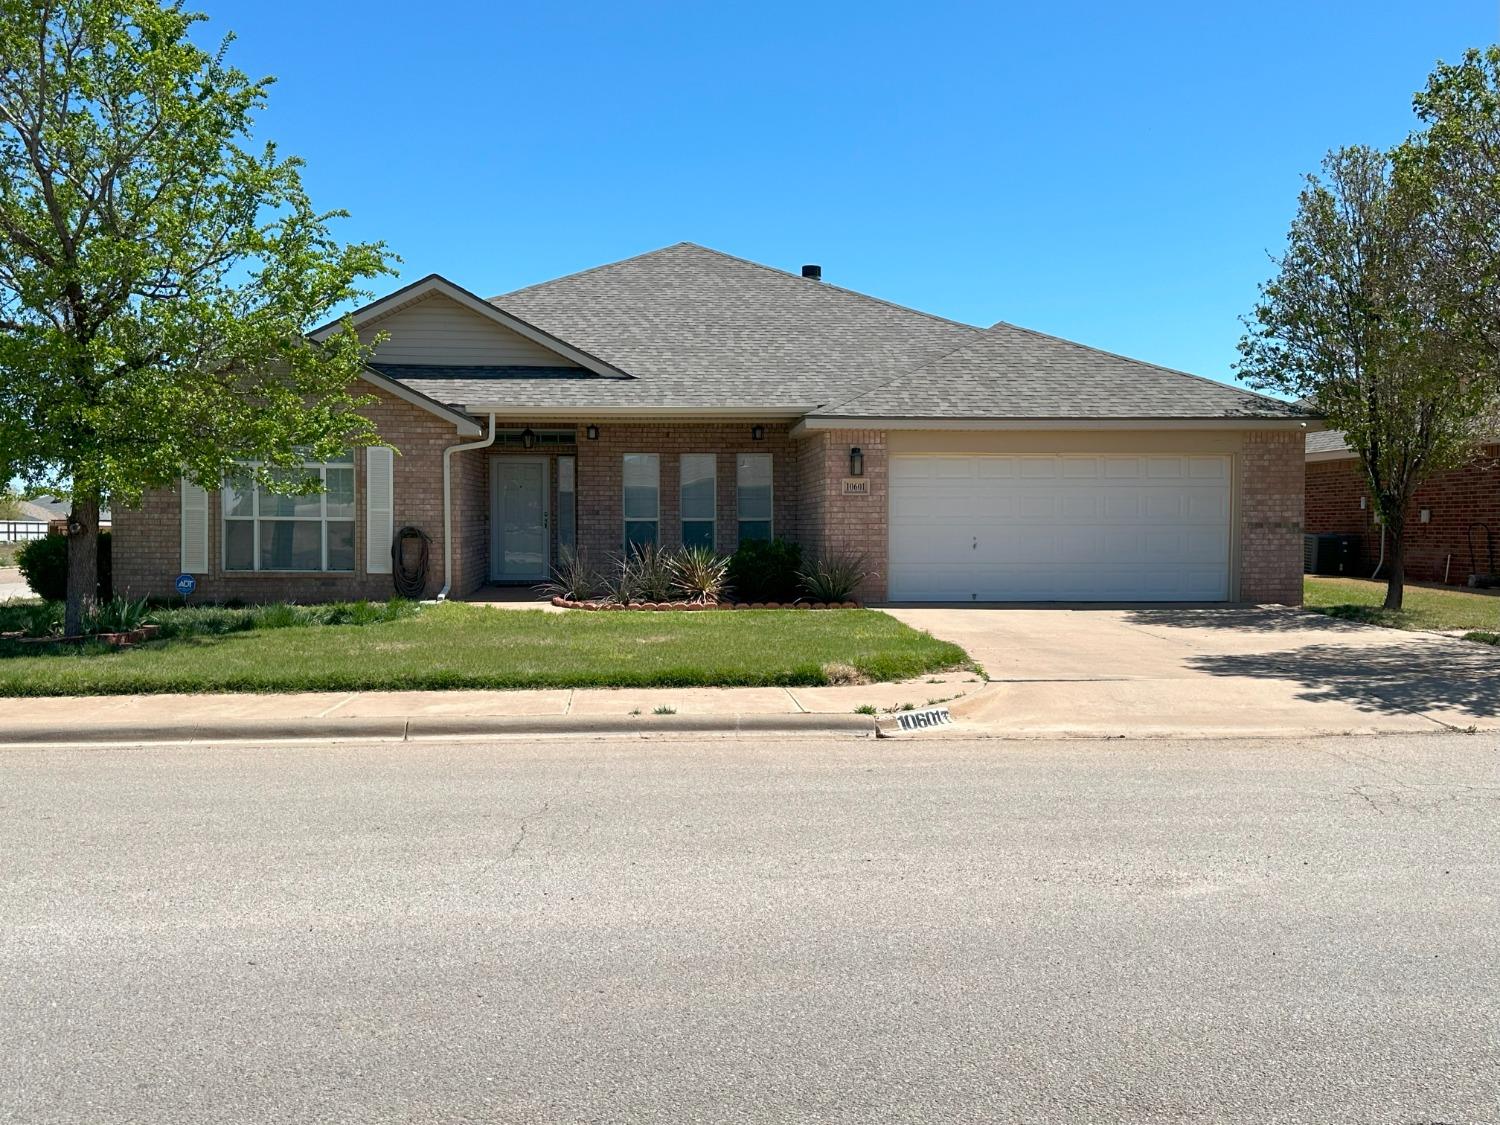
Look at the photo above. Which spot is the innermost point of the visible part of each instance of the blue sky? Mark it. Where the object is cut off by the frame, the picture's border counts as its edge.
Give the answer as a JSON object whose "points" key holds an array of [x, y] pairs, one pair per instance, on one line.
{"points": [[1113, 173]]}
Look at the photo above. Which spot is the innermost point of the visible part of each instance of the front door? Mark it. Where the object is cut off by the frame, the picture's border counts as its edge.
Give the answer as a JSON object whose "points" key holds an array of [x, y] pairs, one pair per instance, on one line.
{"points": [[520, 542]]}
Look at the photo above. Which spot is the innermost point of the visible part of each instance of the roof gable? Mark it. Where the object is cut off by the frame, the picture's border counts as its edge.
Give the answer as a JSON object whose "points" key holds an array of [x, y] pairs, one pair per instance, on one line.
{"points": [[445, 323]]}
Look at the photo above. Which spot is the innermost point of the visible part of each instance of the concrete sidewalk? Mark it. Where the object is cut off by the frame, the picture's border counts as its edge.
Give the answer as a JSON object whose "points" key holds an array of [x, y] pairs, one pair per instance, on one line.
{"points": [[404, 715]]}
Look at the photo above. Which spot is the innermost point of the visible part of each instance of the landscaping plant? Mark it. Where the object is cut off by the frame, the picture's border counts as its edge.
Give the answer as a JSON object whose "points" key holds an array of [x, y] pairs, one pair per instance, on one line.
{"points": [[1384, 313], [160, 266], [765, 570], [698, 574], [573, 579], [44, 564], [833, 578], [118, 615]]}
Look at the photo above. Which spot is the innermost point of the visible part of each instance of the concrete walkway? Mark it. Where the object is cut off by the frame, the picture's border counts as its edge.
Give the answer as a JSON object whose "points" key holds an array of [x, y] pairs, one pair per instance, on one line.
{"points": [[1213, 671]]}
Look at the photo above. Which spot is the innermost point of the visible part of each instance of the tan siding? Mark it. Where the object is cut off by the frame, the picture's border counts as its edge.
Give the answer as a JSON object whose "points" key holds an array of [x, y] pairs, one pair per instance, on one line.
{"points": [[439, 331]]}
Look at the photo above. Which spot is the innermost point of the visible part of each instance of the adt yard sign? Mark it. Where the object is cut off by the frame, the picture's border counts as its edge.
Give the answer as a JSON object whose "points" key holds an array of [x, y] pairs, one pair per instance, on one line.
{"points": [[186, 584]]}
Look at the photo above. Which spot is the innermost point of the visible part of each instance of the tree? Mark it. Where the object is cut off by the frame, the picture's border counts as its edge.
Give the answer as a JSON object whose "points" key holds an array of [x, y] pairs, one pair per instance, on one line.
{"points": [[157, 274], [1362, 318]]}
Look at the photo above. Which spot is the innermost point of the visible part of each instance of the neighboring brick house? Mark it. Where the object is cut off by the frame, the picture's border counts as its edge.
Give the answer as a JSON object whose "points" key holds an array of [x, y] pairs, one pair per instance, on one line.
{"points": [[687, 396], [1443, 513]]}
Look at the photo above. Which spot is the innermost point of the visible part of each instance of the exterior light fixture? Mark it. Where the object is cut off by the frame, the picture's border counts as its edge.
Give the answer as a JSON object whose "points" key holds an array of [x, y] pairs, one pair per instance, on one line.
{"points": [[592, 433], [757, 433], [528, 438], [856, 461]]}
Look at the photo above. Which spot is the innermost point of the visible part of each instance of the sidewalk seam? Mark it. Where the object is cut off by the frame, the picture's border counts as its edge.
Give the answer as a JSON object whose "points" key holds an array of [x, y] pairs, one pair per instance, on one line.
{"points": [[797, 703]]}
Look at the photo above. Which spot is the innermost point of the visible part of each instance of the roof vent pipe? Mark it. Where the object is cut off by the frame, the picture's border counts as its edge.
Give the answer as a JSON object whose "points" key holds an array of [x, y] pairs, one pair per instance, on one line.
{"points": [[813, 273]]}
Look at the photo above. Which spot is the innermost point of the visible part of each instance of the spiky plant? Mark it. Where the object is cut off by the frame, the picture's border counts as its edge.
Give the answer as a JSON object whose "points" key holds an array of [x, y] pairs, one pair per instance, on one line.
{"points": [[833, 578], [698, 574]]}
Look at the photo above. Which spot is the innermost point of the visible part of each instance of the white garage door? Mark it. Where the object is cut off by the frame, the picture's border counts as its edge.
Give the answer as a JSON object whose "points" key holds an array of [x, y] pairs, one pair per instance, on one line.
{"points": [[1059, 528]]}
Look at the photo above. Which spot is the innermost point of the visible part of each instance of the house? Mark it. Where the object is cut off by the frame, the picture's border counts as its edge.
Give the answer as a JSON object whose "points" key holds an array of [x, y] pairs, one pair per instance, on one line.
{"points": [[1447, 526], [687, 396]]}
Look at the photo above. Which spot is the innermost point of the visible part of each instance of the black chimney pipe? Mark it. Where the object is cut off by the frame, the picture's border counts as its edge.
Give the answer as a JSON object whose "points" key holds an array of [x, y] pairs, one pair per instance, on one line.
{"points": [[813, 273]]}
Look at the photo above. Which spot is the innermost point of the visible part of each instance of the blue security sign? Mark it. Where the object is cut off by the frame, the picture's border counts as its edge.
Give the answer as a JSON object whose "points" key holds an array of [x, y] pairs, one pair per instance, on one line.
{"points": [[186, 584]]}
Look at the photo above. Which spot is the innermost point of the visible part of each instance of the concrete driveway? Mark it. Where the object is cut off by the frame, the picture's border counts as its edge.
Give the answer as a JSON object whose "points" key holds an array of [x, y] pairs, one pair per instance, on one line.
{"points": [[1218, 671]]}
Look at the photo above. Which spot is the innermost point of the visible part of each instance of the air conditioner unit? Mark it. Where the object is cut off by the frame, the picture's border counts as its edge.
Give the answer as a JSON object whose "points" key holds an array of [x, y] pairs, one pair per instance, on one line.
{"points": [[1330, 553]]}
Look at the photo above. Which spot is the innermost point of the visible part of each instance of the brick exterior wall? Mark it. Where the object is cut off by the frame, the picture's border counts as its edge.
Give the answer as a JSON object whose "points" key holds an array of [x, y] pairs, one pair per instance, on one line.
{"points": [[1270, 489], [601, 518], [809, 505], [832, 523], [1455, 500], [147, 541]]}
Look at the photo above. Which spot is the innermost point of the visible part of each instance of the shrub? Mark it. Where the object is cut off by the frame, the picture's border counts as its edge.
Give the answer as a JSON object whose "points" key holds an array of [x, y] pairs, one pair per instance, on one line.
{"points": [[833, 578], [765, 570], [44, 565], [574, 579], [698, 574]]}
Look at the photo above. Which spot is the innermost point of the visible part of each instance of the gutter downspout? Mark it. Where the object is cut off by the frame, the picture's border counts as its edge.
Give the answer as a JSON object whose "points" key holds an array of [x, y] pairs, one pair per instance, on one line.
{"points": [[448, 503]]}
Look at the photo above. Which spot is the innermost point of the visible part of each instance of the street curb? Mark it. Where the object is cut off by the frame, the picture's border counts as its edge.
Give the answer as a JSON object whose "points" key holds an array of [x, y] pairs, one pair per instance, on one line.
{"points": [[427, 728]]}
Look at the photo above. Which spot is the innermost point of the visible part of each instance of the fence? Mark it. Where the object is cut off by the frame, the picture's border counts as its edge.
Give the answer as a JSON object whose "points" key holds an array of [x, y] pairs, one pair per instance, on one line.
{"points": [[18, 531]]}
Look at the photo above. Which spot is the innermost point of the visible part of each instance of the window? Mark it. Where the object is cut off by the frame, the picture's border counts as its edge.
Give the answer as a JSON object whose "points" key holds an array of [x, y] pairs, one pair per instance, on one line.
{"points": [[699, 500], [753, 491], [567, 507], [264, 531], [642, 476]]}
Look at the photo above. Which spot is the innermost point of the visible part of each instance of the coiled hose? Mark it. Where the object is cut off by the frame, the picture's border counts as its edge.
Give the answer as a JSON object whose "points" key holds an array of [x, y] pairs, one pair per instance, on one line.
{"points": [[409, 568]]}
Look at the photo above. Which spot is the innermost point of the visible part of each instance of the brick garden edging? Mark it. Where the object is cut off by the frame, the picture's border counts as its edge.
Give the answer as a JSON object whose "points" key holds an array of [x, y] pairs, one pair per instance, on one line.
{"points": [[565, 603]]}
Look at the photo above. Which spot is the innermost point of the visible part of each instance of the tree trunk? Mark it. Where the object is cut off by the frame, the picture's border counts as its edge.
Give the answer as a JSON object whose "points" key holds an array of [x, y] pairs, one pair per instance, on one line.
{"points": [[1395, 578], [83, 564]]}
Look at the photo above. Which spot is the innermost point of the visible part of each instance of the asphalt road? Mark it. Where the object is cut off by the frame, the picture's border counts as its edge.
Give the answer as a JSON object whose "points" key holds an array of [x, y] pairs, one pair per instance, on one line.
{"points": [[723, 932]]}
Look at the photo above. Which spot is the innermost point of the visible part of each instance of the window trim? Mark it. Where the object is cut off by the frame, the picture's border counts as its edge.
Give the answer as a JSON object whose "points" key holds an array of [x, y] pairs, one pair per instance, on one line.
{"points": [[625, 520], [322, 519], [770, 519], [682, 518]]}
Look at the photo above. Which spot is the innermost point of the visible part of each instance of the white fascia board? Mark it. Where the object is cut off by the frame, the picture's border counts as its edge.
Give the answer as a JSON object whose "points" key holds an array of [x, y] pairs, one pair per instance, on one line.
{"points": [[433, 283], [465, 425], [832, 422], [1333, 455]]}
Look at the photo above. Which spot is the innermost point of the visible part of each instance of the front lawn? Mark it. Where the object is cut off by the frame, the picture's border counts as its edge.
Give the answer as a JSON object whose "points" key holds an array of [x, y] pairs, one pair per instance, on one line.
{"points": [[1358, 599], [465, 646]]}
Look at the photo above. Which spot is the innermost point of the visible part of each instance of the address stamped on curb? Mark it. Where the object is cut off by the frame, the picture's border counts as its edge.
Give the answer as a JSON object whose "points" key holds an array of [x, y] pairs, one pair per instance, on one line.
{"points": [[910, 721]]}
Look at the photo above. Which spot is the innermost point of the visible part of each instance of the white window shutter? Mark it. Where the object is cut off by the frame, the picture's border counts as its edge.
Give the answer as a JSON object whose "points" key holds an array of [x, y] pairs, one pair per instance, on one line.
{"points": [[194, 528], [380, 509]]}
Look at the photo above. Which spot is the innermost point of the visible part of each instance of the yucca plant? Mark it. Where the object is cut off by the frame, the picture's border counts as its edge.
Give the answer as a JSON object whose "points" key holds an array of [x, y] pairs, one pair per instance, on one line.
{"points": [[833, 578], [698, 574], [651, 575], [572, 579]]}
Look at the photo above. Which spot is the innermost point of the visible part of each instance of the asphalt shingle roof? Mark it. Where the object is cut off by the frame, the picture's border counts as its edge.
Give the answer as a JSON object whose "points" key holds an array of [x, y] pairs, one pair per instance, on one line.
{"points": [[1011, 372], [695, 326], [1326, 441], [697, 329]]}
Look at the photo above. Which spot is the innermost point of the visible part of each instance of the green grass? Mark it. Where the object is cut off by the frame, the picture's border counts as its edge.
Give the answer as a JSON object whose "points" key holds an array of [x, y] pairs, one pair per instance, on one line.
{"points": [[8, 553], [464, 646], [1357, 599]]}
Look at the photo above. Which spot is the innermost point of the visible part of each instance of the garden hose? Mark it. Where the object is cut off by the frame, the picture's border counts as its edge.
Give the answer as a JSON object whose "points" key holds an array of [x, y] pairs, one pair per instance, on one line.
{"points": [[410, 575]]}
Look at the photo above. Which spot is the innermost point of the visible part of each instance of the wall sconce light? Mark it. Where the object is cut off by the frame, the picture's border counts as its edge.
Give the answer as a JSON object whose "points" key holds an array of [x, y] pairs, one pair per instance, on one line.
{"points": [[591, 432], [528, 438], [856, 461], [757, 433]]}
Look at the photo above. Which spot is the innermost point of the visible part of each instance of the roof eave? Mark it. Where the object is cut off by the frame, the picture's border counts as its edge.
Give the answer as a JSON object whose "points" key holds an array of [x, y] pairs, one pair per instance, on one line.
{"points": [[875, 422]]}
